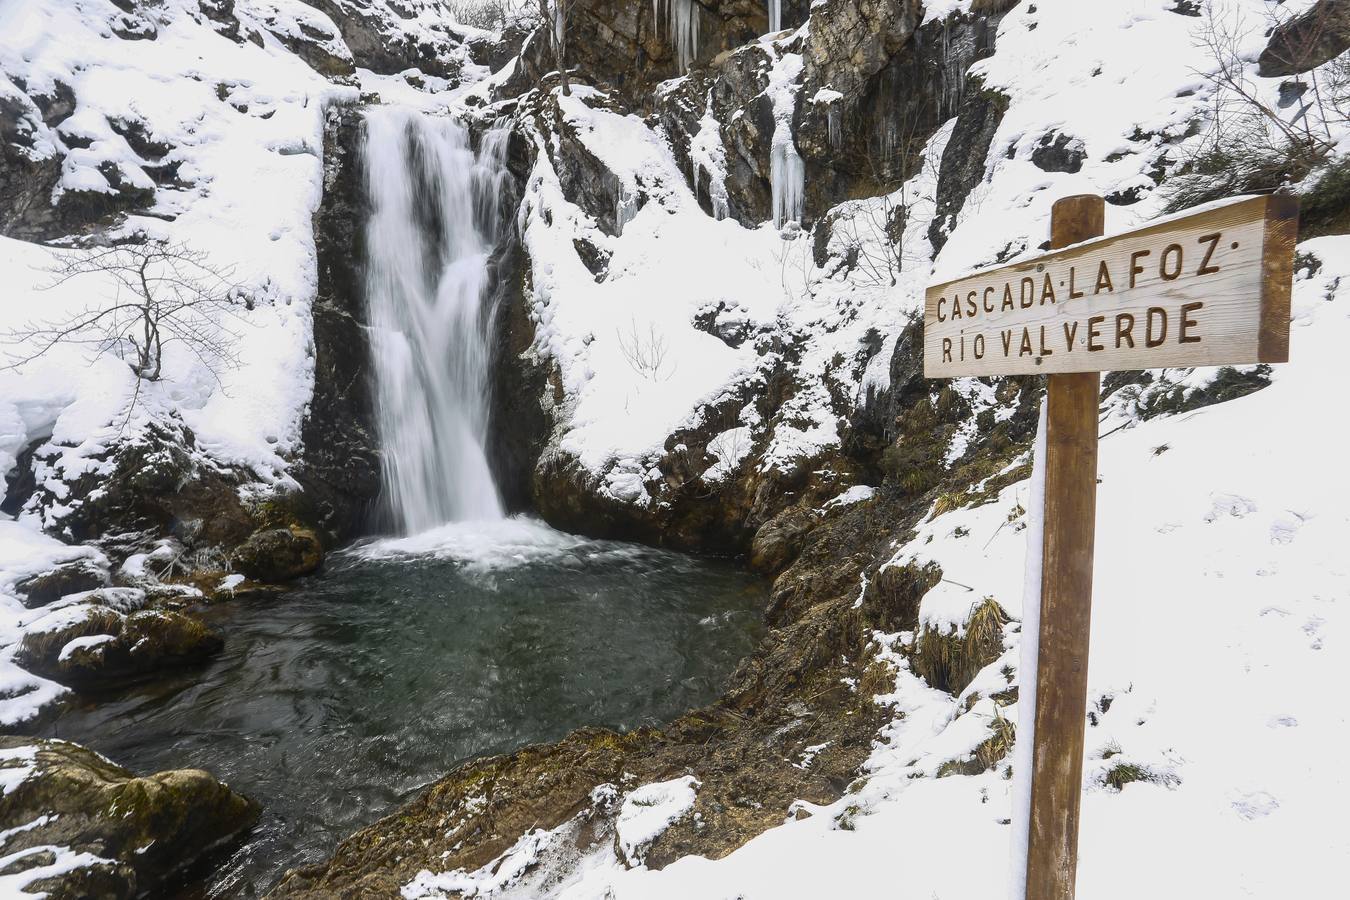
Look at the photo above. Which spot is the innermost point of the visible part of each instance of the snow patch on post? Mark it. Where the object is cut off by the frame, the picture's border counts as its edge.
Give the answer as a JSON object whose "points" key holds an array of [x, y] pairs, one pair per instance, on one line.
{"points": [[1026, 670]]}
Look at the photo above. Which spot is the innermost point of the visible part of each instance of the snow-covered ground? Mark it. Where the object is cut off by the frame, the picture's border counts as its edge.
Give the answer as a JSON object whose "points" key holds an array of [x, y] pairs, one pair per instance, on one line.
{"points": [[1222, 583], [1221, 612], [1220, 609]]}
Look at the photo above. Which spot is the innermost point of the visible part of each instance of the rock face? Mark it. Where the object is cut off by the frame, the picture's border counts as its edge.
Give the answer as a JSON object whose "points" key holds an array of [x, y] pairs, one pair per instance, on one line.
{"points": [[77, 827], [339, 470], [278, 554]]}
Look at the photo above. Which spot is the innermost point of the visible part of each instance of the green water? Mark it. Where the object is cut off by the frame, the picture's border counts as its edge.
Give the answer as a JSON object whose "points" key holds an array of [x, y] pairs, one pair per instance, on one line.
{"points": [[341, 699]]}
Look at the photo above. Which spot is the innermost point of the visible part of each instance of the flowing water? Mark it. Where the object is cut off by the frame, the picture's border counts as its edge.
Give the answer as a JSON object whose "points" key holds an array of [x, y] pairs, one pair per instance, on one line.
{"points": [[436, 207], [475, 635], [336, 702]]}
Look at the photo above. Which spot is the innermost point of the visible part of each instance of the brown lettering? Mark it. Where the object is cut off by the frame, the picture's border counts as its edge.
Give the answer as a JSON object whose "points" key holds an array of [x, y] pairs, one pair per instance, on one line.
{"points": [[1124, 329], [1025, 349], [1158, 314], [1047, 290], [1093, 333], [941, 317], [1073, 294], [988, 307], [1007, 297], [971, 308], [979, 346], [1045, 351], [1170, 250], [946, 349], [1027, 290], [1070, 332], [1103, 279], [956, 307], [1007, 341], [1188, 322], [1135, 268], [1213, 241]]}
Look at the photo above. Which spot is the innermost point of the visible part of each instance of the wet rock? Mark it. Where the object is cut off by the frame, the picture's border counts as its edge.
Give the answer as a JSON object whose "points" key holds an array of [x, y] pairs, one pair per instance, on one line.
{"points": [[383, 40], [779, 540], [152, 482], [80, 827], [339, 468], [279, 554], [965, 157], [70, 578], [27, 173], [524, 386], [94, 645]]}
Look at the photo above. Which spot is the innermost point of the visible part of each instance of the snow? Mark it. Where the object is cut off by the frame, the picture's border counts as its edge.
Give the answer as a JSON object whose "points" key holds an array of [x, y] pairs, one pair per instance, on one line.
{"points": [[649, 810], [87, 642], [1027, 667], [248, 152], [1221, 586], [856, 494]]}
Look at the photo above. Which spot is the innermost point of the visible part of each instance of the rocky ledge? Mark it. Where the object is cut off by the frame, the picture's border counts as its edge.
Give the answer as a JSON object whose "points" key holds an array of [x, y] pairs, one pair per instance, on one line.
{"points": [[78, 827]]}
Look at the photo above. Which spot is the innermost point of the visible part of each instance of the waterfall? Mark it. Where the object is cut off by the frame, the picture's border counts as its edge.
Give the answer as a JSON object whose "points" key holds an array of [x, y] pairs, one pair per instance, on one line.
{"points": [[775, 16], [435, 214]]}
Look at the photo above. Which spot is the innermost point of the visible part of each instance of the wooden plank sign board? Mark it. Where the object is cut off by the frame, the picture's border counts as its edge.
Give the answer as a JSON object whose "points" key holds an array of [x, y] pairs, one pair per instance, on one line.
{"points": [[1210, 288]]}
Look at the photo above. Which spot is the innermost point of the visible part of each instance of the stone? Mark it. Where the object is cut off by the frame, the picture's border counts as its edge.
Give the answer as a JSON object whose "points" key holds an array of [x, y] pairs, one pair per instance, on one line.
{"points": [[779, 540], [69, 578], [1058, 152], [62, 799], [93, 645], [1305, 42], [279, 554]]}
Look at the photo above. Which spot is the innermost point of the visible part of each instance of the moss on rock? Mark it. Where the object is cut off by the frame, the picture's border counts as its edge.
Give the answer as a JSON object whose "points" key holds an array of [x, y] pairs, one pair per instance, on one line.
{"points": [[140, 829]]}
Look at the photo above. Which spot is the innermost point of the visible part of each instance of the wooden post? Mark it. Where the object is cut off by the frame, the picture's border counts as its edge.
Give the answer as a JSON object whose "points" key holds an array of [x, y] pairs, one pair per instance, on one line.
{"points": [[1066, 599]]}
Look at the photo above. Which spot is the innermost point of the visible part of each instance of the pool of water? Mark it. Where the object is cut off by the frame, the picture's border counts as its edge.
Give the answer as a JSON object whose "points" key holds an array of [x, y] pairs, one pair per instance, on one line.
{"points": [[340, 699]]}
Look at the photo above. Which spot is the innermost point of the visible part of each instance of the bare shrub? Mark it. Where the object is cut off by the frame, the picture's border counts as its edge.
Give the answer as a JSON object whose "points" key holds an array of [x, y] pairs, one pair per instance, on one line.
{"points": [[646, 352], [1252, 146], [165, 293]]}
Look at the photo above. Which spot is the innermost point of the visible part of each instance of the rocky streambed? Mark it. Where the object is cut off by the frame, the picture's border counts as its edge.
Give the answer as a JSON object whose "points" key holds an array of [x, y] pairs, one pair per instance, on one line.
{"points": [[345, 696]]}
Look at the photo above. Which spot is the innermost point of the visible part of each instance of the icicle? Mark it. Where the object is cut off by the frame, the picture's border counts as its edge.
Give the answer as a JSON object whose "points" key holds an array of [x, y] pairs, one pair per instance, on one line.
{"points": [[832, 122], [787, 178], [775, 16], [787, 172], [708, 155], [682, 27], [625, 208]]}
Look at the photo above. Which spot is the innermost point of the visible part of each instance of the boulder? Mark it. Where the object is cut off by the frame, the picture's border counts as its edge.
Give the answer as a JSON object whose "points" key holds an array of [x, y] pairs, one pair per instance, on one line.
{"points": [[68, 578], [83, 827], [779, 540], [91, 644], [278, 554], [1305, 42]]}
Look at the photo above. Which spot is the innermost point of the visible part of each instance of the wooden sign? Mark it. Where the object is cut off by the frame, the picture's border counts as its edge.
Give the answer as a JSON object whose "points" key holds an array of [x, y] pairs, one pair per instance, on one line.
{"points": [[1206, 289]]}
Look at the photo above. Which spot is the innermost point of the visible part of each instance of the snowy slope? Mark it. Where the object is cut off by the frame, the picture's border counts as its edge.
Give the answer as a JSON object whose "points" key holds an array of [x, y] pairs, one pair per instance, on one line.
{"points": [[1220, 610]]}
